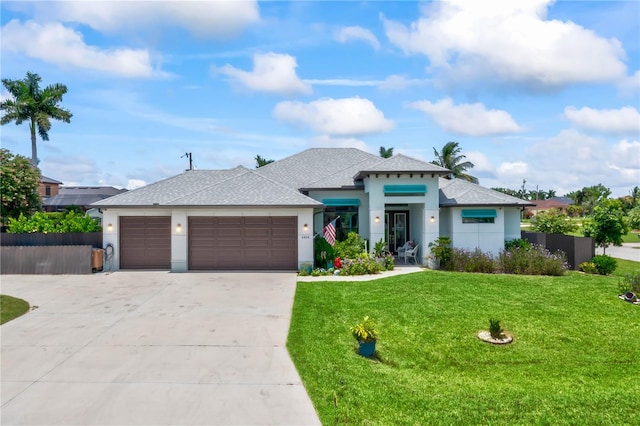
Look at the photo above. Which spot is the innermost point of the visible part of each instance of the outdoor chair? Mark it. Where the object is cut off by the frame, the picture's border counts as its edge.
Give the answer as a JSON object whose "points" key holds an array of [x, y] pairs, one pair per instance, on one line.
{"points": [[407, 246], [411, 254]]}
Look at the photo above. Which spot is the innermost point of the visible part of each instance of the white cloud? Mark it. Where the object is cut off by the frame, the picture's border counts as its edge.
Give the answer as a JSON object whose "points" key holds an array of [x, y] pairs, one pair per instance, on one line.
{"points": [[630, 84], [135, 183], [346, 34], [481, 162], [347, 82], [202, 18], [400, 82], [468, 119], [509, 40], [617, 121], [513, 170], [63, 46], [626, 155], [346, 116], [272, 72]]}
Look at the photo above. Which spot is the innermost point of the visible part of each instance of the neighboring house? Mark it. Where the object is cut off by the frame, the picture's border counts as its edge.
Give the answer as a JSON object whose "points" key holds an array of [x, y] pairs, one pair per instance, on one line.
{"points": [[556, 203], [80, 196], [48, 187], [266, 218]]}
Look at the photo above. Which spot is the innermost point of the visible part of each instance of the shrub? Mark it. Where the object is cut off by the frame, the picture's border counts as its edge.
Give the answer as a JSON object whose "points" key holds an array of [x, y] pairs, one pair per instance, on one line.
{"points": [[588, 268], [443, 253], [633, 218], [630, 282], [535, 261], [323, 252], [518, 242], [605, 265], [363, 265], [553, 222], [472, 261], [70, 221], [350, 248]]}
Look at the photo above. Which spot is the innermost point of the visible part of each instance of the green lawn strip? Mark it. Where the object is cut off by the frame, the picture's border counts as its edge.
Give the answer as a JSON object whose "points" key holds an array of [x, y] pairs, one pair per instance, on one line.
{"points": [[570, 362], [11, 307], [625, 267]]}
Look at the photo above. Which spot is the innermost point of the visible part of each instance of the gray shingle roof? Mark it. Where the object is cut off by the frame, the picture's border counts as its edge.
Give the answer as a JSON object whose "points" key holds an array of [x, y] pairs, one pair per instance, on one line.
{"points": [[404, 164], [81, 195], [234, 187], [319, 168], [458, 192]]}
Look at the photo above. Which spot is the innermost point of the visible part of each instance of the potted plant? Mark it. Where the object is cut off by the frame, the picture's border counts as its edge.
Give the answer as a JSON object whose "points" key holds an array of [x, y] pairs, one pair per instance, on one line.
{"points": [[366, 333]]}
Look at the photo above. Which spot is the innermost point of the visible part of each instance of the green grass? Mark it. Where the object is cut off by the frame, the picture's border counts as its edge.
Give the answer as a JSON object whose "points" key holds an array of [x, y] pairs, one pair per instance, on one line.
{"points": [[625, 267], [11, 307], [574, 359]]}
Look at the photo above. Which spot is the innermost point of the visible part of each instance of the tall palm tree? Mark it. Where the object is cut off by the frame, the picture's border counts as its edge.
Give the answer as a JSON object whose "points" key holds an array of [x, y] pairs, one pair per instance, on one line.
{"points": [[450, 158], [386, 152], [37, 106]]}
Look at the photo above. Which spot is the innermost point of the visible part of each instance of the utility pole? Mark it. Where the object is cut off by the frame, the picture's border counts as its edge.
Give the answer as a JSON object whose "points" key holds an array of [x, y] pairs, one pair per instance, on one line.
{"points": [[188, 155]]}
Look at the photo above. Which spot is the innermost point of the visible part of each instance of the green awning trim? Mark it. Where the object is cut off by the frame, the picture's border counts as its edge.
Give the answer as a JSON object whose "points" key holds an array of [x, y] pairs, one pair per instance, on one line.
{"points": [[405, 189], [340, 202], [479, 213]]}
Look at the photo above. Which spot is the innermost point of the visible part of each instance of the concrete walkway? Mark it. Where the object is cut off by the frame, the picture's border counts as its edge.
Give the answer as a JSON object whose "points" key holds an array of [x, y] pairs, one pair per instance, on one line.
{"points": [[151, 348]]}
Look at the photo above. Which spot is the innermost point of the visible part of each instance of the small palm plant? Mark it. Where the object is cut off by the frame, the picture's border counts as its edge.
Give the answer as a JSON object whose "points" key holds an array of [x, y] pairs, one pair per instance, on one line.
{"points": [[495, 329]]}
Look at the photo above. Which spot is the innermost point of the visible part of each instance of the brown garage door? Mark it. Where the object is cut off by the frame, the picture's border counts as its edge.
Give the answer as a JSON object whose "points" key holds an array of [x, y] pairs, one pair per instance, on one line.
{"points": [[145, 242], [243, 243]]}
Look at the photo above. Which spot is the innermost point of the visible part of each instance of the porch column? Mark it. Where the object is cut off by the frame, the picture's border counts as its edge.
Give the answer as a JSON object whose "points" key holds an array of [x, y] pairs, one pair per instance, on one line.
{"points": [[431, 229], [376, 225]]}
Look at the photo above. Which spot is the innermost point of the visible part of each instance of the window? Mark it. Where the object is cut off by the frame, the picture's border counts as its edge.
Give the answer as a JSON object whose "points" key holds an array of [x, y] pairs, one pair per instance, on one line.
{"points": [[479, 216], [347, 222], [47, 190], [478, 220]]}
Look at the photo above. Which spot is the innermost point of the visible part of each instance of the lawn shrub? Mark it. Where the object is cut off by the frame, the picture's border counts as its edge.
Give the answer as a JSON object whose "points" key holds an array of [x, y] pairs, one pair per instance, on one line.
{"points": [[517, 243], [441, 250], [350, 248], [363, 265], [535, 261], [630, 282], [495, 329], [605, 264], [50, 223], [472, 261], [588, 268]]}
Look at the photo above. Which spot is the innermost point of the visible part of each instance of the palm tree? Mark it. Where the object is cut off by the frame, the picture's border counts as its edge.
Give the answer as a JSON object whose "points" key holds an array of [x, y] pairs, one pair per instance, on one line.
{"points": [[386, 153], [450, 158], [37, 106], [260, 161]]}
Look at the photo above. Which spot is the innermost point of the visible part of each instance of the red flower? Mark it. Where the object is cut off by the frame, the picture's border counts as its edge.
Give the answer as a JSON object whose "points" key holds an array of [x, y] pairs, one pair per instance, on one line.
{"points": [[337, 263]]}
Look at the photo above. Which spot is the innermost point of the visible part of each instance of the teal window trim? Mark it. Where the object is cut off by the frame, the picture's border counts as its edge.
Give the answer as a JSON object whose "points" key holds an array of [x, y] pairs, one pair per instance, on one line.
{"points": [[341, 202], [485, 213], [405, 189]]}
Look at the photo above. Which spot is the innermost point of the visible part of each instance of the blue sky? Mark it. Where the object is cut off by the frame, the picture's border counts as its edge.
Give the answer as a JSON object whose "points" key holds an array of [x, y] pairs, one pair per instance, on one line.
{"points": [[537, 90]]}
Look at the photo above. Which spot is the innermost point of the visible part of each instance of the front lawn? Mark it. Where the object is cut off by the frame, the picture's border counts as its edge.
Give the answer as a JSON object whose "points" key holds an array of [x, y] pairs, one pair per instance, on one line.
{"points": [[11, 307], [574, 359]]}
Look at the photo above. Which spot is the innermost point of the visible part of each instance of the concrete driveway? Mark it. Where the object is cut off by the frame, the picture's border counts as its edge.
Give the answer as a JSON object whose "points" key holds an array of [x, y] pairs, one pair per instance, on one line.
{"points": [[152, 348]]}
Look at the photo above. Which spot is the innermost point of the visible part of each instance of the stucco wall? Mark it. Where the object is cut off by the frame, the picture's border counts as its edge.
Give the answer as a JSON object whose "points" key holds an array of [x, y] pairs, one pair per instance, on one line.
{"points": [[511, 223], [488, 237]]}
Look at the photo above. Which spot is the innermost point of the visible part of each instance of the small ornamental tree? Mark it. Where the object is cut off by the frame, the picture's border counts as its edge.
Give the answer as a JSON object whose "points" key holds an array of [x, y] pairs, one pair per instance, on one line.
{"points": [[553, 222], [607, 224], [634, 218], [18, 186]]}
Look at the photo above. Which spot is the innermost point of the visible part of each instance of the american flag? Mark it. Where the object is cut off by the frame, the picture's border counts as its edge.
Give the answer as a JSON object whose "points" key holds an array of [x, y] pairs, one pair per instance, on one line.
{"points": [[329, 232]]}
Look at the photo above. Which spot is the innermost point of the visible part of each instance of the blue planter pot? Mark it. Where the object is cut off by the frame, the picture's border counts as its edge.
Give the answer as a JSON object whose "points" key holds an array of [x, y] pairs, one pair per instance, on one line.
{"points": [[367, 349]]}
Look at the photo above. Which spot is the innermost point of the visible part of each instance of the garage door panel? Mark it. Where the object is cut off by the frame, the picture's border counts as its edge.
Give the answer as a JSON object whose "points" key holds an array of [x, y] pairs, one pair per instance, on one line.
{"points": [[243, 243], [145, 242]]}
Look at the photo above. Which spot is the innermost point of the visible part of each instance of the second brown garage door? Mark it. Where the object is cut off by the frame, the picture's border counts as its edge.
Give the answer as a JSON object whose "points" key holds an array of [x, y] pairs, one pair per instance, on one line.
{"points": [[243, 243]]}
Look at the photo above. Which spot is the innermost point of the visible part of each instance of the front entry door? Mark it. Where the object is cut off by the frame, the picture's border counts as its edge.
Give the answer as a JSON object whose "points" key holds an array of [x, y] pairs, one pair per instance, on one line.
{"points": [[398, 229]]}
